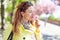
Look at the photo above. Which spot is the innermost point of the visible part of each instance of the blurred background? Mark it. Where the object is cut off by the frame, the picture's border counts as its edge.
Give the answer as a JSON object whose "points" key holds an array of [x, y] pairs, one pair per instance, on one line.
{"points": [[47, 10]]}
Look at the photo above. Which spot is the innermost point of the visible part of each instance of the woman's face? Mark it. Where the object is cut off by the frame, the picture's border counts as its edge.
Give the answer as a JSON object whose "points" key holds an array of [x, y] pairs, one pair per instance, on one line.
{"points": [[28, 13]]}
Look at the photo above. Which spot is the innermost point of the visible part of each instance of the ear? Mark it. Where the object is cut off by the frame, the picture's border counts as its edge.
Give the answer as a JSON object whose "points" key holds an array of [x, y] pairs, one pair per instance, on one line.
{"points": [[22, 13]]}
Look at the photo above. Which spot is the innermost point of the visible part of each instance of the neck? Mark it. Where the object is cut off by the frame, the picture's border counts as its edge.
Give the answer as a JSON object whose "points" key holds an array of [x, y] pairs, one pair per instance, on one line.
{"points": [[24, 20]]}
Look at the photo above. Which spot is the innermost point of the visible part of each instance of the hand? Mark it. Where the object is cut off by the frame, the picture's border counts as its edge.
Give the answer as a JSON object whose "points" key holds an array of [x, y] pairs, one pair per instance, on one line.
{"points": [[37, 24]]}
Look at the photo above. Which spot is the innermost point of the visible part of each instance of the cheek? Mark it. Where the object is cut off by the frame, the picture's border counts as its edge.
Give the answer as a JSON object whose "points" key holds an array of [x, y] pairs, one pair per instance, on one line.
{"points": [[27, 16]]}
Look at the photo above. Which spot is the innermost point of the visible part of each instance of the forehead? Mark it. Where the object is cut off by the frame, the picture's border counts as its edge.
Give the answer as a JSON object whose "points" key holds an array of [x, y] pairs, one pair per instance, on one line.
{"points": [[31, 8]]}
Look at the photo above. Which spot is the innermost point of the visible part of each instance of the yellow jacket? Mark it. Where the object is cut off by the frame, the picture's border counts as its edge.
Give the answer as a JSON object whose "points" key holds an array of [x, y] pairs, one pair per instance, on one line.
{"points": [[23, 33]]}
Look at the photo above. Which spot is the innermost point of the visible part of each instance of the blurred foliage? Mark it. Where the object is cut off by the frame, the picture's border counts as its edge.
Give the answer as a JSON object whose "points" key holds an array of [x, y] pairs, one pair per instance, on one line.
{"points": [[51, 17], [9, 8], [7, 19], [41, 18], [10, 4], [19, 1], [58, 19], [33, 0]]}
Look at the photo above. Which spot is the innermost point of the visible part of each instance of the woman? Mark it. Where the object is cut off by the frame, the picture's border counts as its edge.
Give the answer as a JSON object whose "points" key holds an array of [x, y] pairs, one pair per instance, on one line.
{"points": [[22, 27]]}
